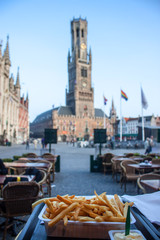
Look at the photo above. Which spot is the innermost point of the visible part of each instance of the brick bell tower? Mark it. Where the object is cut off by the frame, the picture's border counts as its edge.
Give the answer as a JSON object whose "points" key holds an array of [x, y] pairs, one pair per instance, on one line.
{"points": [[80, 94]]}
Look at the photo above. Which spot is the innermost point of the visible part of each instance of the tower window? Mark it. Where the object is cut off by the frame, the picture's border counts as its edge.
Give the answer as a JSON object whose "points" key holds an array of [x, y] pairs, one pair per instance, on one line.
{"points": [[82, 33], [77, 32], [83, 72]]}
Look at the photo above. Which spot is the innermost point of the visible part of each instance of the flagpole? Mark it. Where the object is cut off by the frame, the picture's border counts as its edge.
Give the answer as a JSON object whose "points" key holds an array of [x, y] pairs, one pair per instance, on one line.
{"points": [[143, 136], [120, 118], [104, 123]]}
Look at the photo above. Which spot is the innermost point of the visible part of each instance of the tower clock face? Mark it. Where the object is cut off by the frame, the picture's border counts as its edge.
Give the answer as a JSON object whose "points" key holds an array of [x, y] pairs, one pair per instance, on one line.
{"points": [[83, 46], [84, 84]]}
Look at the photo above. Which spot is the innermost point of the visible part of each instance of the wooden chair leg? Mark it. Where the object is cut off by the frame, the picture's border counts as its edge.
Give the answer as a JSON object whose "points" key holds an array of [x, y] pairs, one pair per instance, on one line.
{"points": [[121, 180], [5, 229]]}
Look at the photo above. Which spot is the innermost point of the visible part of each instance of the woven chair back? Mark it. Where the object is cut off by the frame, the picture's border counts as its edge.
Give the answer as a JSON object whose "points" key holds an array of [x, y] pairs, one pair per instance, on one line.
{"points": [[19, 196]]}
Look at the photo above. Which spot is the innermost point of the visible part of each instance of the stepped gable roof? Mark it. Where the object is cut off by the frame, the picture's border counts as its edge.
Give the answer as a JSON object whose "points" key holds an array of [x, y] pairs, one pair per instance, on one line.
{"points": [[99, 112], [132, 119], [65, 110], [126, 119]]}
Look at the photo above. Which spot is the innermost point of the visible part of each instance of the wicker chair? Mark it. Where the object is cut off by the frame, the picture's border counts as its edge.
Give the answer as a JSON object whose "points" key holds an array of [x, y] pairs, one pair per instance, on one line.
{"points": [[156, 160], [48, 173], [153, 155], [51, 158], [17, 200], [128, 173], [31, 155], [116, 168], [149, 176], [128, 155], [48, 155], [42, 182], [106, 161], [149, 158]]}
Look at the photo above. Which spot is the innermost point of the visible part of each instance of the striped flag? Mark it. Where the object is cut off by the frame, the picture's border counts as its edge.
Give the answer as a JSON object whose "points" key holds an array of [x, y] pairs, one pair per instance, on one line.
{"points": [[105, 100], [123, 95]]}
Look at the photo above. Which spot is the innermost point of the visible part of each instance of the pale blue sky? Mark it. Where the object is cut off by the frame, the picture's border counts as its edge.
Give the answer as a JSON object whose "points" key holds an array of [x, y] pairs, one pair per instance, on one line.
{"points": [[124, 36]]}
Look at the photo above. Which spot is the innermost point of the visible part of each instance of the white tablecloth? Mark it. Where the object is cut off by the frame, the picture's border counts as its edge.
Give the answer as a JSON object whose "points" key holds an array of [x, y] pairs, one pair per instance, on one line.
{"points": [[148, 205]]}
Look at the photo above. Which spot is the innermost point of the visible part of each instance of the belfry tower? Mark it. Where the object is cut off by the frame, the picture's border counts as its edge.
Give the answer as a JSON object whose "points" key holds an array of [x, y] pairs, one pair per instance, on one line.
{"points": [[80, 94]]}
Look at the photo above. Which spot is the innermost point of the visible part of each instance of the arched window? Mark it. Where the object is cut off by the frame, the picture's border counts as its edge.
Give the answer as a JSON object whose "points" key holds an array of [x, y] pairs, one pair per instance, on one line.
{"points": [[82, 33], [77, 30]]}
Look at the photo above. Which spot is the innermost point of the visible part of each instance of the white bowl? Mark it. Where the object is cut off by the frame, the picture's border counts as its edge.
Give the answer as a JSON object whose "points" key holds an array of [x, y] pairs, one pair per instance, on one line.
{"points": [[112, 232]]}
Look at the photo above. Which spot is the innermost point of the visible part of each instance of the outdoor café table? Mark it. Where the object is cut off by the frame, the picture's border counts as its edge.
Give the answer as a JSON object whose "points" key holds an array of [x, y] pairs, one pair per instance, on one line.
{"points": [[139, 159], [3, 177], [144, 167], [25, 165], [52, 160], [30, 165], [153, 184], [120, 159]]}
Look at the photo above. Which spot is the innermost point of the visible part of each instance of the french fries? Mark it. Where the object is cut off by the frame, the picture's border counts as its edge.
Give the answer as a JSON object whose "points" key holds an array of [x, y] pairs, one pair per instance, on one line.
{"points": [[97, 209]]}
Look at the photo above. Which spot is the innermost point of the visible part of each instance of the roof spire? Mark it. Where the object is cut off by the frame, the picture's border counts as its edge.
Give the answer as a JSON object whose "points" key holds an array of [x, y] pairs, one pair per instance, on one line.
{"points": [[6, 53], [69, 56], [112, 104], [17, 81], [27, 97], [0, 49], [90, 55]]}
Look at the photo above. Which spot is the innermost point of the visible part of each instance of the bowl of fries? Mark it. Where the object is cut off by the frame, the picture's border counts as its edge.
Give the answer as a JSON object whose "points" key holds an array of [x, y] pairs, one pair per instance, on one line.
{"points": [[84, 217]]}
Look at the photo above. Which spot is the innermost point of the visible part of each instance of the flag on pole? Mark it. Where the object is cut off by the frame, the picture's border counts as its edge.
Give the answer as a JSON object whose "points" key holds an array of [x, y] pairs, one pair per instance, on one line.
{"points": [[105, 100], [143, 100], [123, 95]]}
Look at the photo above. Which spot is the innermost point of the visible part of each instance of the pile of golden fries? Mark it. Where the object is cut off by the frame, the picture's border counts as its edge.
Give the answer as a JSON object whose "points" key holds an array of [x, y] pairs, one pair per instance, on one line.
{"points": [[99, 209]]}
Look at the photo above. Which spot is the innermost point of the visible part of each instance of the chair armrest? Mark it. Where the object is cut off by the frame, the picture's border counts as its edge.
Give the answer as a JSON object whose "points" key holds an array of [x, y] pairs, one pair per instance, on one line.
{"points": [[11, 168]]}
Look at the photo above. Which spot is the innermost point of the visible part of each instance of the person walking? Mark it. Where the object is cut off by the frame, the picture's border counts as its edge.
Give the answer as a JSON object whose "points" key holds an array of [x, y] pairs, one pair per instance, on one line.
{"points": [[150, 144], [27, 144], [35, 143], [146, 145], [43, 143]]}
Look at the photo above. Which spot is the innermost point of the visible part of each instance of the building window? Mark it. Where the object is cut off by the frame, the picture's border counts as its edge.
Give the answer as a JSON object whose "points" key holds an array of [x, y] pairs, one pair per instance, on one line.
{"points": [[77, 30], [82, 33], [84, 72]]}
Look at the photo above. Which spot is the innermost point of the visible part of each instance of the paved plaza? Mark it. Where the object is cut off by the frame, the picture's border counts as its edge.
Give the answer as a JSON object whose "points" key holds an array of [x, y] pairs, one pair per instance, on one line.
{"points": [[75, 176]]}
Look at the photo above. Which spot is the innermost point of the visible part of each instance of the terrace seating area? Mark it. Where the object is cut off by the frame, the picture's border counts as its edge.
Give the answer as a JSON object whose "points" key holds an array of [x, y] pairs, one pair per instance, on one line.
{"points": [[20, 176], [16, 201], [128, 167], [115, 170]]}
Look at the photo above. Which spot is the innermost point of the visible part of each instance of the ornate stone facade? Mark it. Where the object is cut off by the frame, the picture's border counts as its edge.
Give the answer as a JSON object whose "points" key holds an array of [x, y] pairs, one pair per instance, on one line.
{"points": [[12, 108], [78, 118]]}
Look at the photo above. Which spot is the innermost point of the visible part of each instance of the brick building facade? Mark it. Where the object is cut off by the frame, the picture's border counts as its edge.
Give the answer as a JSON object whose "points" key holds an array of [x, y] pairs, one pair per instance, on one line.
{"points": [[12, 109]]}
